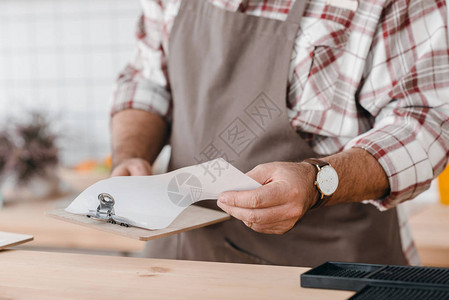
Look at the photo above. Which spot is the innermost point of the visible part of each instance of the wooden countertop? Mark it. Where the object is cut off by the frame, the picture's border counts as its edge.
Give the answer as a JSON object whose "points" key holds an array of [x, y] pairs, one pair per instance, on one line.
{"points": [[430, 229], [44, 275]]}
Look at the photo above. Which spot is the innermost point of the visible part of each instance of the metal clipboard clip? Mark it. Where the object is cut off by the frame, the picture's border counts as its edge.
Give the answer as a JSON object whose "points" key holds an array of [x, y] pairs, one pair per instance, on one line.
{"points": [[105, 211]]}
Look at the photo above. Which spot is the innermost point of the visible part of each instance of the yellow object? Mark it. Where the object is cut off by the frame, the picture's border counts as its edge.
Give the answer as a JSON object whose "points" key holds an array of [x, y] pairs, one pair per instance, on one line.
{"points": [[108, 162], [87, 165], [443, 184], [90, 165]]}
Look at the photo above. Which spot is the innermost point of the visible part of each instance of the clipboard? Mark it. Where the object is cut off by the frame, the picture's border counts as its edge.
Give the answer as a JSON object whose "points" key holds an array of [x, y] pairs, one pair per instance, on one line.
{"points": [[9, 239], [192, 217]]}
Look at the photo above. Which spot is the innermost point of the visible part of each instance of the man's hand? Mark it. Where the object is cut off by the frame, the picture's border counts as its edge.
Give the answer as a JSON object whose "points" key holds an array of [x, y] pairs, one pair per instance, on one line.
{"points": [[288, 190], [285, 196], [132, 167]]}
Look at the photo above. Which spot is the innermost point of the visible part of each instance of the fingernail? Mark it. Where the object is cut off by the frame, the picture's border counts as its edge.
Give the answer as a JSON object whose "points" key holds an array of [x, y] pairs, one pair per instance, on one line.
{"points": [[223, 199]]}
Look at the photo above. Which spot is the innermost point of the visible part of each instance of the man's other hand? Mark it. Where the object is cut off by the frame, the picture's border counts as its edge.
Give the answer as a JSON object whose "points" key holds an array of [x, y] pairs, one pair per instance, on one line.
{"points": [[132, 167], [287, 192]]}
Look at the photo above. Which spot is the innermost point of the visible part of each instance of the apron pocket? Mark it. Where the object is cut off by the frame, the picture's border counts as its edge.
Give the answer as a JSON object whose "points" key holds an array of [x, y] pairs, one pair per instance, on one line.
{"points": [[239, 255]]}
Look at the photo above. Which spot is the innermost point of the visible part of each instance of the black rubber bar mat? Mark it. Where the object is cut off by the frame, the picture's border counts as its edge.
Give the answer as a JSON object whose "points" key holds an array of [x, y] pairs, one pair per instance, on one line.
{"points": [[395, 292], [354, 276]]}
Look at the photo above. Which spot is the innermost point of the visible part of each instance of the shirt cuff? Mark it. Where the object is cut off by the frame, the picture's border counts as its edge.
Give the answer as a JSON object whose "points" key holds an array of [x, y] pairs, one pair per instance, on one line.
{"points": [[403, 159], [144, 95]]}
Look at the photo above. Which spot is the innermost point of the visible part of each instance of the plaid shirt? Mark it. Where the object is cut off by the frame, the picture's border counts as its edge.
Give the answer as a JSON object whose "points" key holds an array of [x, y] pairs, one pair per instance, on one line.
{"points": [[371, 73]]}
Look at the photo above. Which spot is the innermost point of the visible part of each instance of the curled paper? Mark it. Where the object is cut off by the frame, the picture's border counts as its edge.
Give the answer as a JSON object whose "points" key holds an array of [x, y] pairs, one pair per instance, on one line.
{"points": [[153, 202]]}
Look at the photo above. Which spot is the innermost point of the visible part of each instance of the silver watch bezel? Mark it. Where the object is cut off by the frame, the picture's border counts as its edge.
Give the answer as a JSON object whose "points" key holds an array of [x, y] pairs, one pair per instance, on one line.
{"points": [[321, 185]]}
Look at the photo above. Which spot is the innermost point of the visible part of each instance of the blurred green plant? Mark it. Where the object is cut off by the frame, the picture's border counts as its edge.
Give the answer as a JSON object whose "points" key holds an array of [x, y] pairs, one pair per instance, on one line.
{"points": [[28, 149], [6, 149]]}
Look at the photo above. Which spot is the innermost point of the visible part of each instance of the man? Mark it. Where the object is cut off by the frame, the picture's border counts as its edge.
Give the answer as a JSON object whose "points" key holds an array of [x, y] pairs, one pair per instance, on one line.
{"points": [[267, 85]]}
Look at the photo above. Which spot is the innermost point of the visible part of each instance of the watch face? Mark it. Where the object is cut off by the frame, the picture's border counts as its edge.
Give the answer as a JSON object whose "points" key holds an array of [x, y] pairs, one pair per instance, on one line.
{"points": [[327, 180]]}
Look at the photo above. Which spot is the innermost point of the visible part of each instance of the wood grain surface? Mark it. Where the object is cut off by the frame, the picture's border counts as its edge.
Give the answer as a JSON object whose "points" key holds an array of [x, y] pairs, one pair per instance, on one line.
{"points": [[42, 275], [430, 228]]}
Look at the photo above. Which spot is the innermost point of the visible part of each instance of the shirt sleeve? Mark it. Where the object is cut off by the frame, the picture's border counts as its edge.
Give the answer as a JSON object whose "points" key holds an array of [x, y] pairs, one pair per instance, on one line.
{"points": [[143, 83], [406, 91]]}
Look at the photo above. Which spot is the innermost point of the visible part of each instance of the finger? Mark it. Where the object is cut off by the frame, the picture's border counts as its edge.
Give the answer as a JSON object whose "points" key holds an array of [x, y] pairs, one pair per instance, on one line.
{"points": [[260, 173], [259, 216], [263, 197], [139, 169], [120, 171], [273, 228]]}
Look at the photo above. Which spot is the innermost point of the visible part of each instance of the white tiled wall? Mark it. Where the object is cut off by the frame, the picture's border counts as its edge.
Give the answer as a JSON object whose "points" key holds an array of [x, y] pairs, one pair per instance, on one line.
{"points": [[62, 57]]}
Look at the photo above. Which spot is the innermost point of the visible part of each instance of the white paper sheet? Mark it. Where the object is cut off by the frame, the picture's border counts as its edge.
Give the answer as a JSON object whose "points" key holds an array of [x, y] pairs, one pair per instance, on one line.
{"points": [[153, 202], [8, 239]]}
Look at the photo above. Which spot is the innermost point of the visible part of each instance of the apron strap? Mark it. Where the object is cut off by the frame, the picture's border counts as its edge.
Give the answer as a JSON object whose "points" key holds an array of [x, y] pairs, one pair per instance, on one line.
{"points": [[297, 11]]}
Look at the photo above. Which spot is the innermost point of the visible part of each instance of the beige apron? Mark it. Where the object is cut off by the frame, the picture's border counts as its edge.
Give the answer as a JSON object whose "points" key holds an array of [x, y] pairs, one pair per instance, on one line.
{"points": [[228, 73]]}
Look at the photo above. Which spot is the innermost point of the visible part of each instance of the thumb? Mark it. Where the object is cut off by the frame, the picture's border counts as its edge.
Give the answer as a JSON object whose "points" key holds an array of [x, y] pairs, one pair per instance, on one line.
{"points": [[120, 171], [142, 168], [261, 174]]}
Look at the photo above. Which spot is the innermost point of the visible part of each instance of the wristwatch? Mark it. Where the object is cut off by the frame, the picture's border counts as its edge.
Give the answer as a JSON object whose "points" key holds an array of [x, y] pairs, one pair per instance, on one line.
{"points": [[326, 180]]}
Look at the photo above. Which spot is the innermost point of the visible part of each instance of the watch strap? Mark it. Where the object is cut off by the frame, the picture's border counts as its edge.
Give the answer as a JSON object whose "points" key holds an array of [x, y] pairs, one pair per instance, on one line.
{"points": [[322, 198], [317, 162]]}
